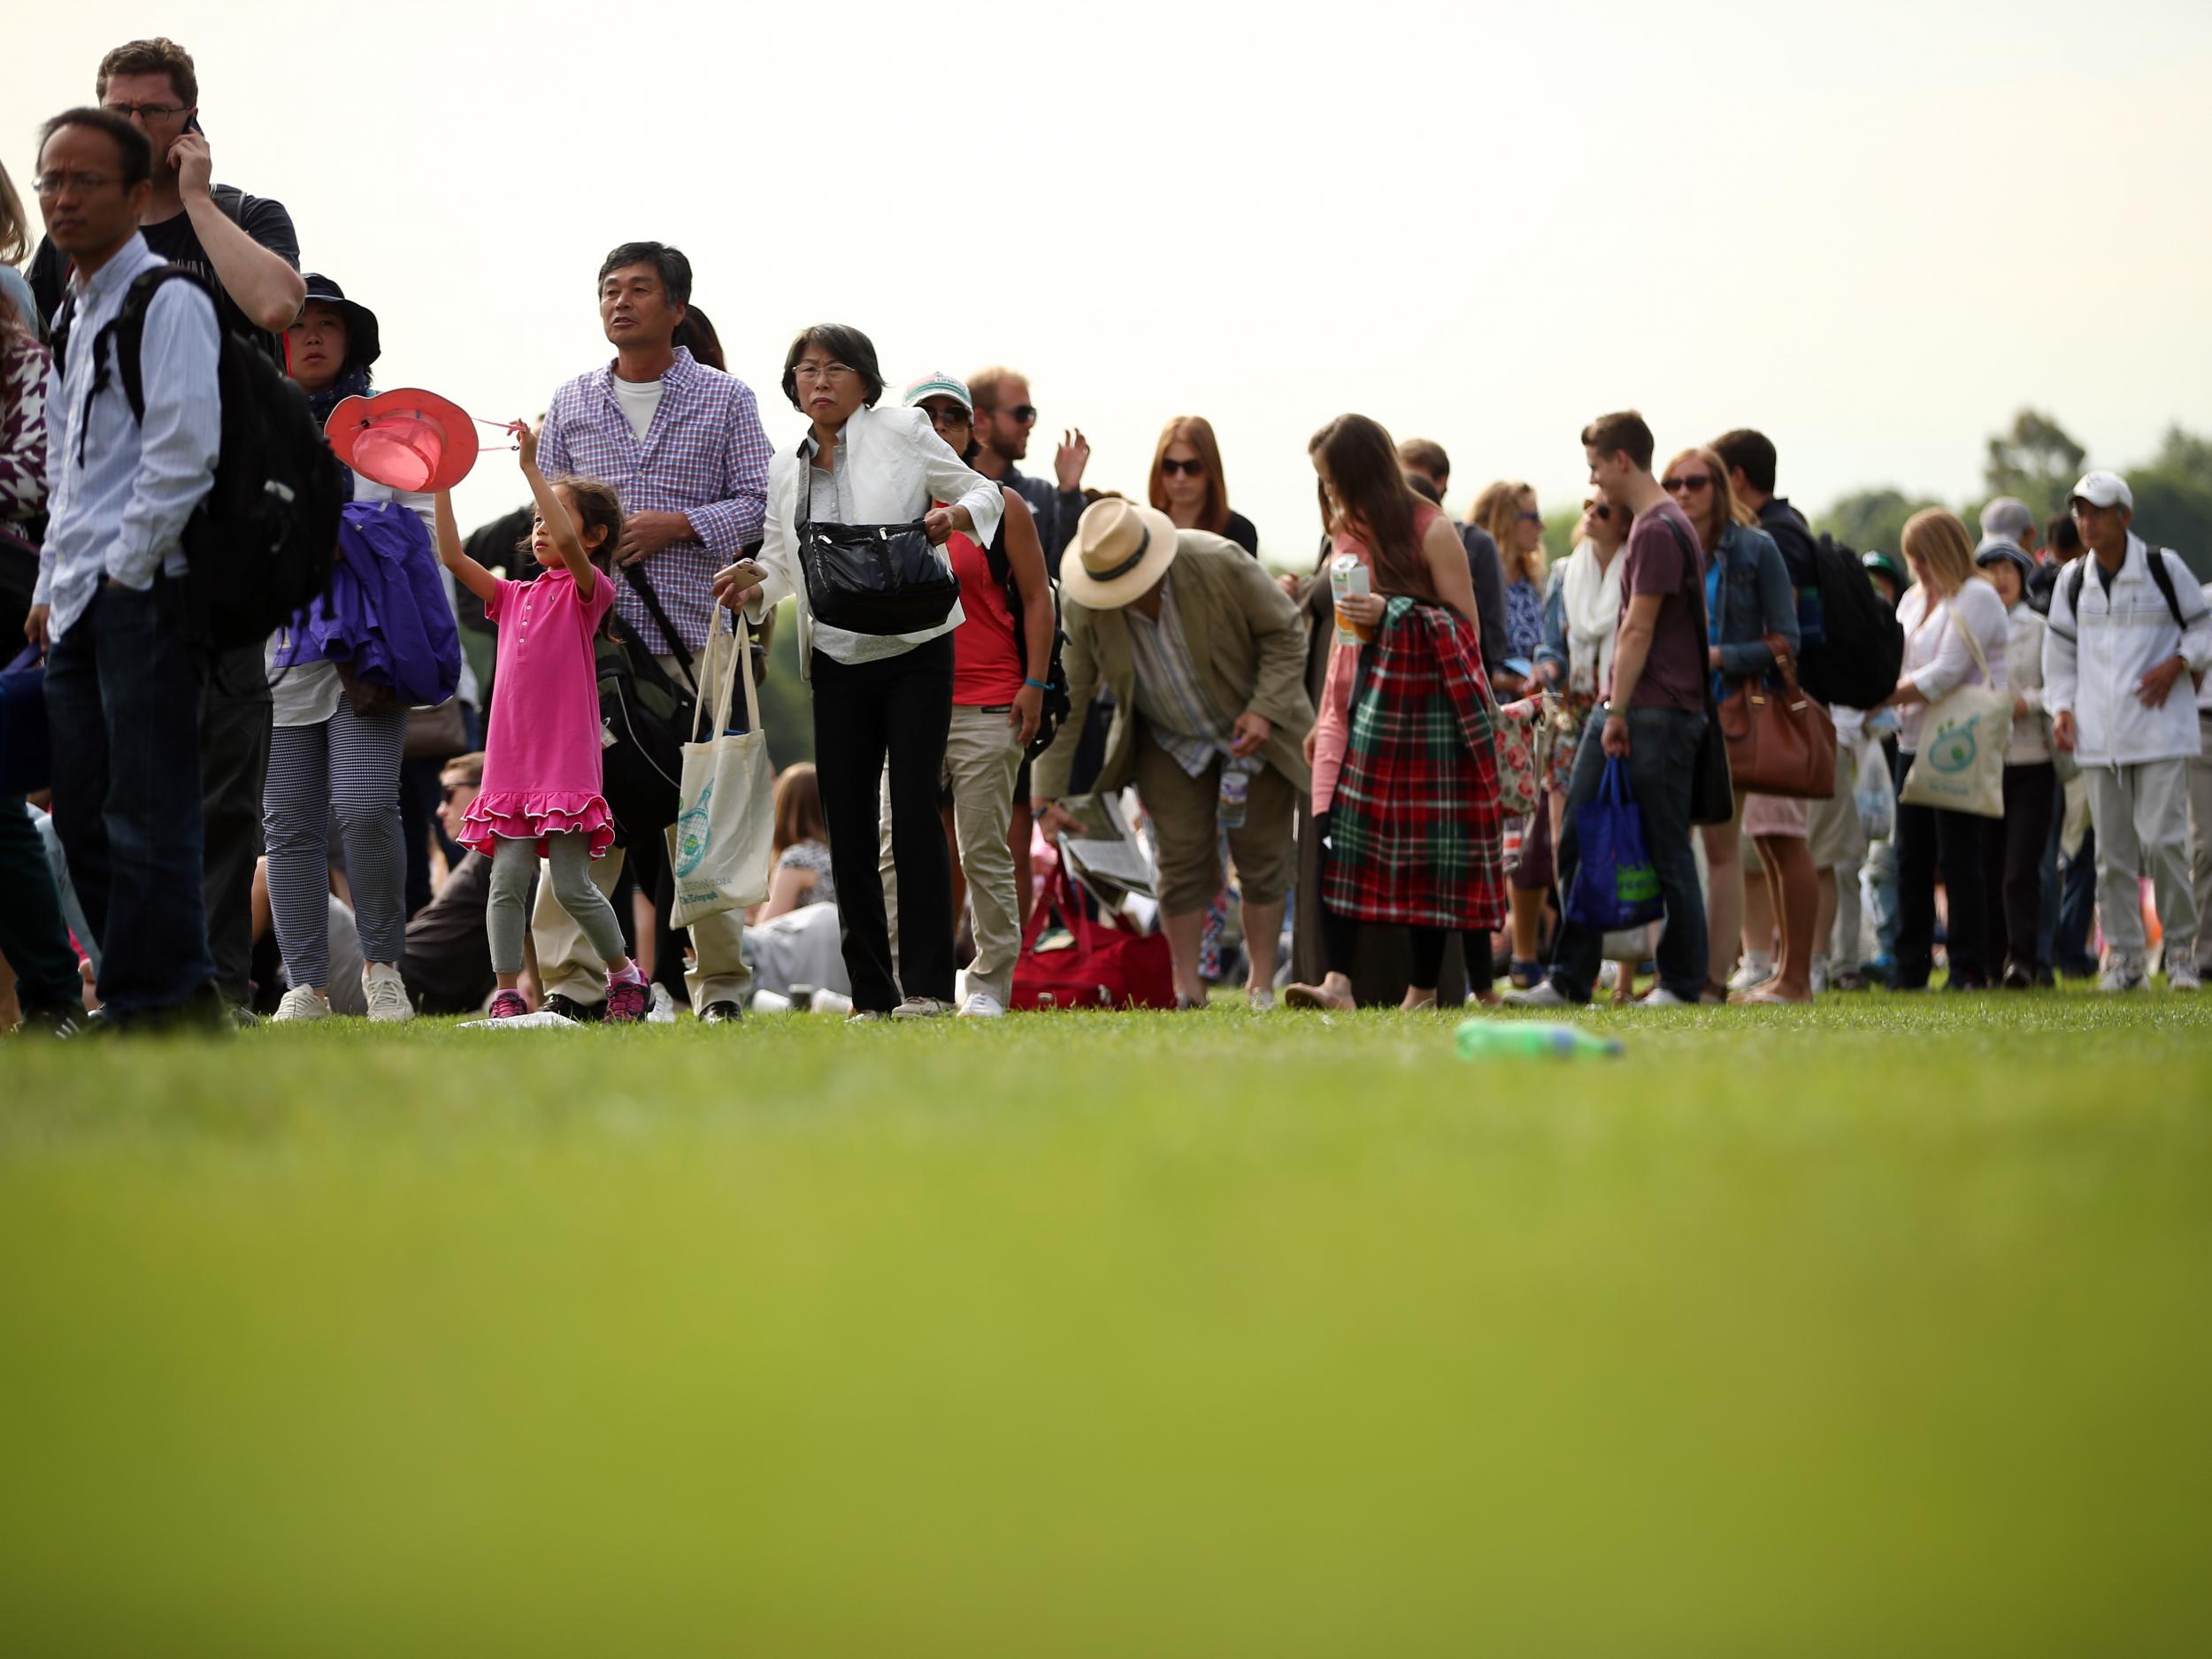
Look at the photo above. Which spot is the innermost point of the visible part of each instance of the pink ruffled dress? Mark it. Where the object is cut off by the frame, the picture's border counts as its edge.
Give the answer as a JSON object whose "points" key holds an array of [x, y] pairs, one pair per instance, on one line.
{"points": [[542, 757]]}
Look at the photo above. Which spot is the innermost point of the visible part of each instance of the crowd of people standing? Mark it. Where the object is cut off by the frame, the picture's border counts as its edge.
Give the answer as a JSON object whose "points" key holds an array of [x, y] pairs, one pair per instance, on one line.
{"points": [[1321, 765]]}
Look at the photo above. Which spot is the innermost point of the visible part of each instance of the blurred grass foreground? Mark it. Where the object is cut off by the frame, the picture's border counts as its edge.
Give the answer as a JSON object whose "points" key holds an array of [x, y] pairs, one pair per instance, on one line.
{"points": [[1881, 1329]]}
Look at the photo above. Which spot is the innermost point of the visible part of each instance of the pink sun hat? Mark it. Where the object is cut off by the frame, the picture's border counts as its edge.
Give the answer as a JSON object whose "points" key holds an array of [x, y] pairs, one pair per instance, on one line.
{"points": [[407, 439]]}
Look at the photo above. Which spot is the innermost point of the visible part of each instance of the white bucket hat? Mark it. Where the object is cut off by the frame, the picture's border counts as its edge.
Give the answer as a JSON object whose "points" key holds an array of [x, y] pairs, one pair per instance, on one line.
{"points": [[1120, 551]]}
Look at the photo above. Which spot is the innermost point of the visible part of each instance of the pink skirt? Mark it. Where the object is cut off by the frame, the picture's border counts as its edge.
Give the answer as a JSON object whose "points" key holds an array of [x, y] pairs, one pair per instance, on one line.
{"points": [[528, 815], [1773, 815]]}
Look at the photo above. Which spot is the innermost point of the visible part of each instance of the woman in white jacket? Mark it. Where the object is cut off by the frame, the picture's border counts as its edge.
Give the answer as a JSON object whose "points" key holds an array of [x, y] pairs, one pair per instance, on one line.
{"points": [[875, 696], [2012, 846], [1949, 602]]}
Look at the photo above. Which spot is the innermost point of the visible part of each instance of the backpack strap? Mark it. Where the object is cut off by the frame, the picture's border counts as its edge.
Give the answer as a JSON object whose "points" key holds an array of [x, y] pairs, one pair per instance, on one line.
{"points": [[641, 585], [128, 332], [2161, 573]]}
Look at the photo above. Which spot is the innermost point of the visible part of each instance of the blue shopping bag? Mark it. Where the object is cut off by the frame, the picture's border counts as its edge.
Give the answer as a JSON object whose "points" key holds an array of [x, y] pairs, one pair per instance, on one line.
{"points": [[1616, 884], [25, 762]]}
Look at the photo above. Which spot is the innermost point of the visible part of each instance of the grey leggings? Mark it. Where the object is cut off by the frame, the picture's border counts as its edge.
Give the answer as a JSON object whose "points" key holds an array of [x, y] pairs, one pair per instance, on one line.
{"points": [[568, 865]]}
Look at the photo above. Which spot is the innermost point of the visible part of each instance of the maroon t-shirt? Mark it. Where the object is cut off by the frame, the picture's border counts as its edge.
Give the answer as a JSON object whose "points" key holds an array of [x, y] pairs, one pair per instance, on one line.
{"points": [[1674, 672]]}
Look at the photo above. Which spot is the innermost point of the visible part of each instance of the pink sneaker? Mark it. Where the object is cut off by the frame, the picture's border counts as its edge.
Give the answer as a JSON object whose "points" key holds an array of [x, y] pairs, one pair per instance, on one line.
{"points": [[509, 1005], [626, 1003]]}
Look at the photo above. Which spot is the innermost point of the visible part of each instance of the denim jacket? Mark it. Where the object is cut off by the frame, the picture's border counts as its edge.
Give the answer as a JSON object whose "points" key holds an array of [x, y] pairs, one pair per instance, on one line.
{"points": [[1756, 599]]}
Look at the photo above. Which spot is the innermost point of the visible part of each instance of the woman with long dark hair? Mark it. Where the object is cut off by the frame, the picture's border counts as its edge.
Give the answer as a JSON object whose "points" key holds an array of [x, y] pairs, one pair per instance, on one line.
{"points": [[1405, 783], [877, 696]]}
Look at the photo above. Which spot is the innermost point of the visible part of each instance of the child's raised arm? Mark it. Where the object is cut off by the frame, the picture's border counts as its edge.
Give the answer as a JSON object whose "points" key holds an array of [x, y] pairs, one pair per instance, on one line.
{"points": [[465, 570], [568, 546]]}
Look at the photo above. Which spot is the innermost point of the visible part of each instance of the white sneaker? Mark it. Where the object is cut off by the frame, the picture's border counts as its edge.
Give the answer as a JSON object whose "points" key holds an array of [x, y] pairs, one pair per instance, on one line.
{"points": [[387, 994], [1659, 996], [662, 1009], [1608, 975], [2183, 976], [1260, 999], [2121, 977], [982, 1005], [1756, 971], [1820, 975], [921, 1008], [1543, 994], [302, 1001]]}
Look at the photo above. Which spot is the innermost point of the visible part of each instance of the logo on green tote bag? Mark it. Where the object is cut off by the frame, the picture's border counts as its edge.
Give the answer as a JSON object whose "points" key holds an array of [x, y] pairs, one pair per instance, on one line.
{"points": [[692, 834]]}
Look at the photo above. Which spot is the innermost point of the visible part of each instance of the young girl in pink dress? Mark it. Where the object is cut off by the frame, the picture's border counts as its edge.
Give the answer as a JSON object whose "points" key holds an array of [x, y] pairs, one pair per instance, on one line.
{"points": [[542, 782]]}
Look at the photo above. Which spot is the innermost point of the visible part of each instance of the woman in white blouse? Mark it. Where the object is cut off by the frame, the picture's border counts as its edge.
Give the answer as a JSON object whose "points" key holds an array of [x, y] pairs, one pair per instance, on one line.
{"points": [[875, 696], [1949, 602]]}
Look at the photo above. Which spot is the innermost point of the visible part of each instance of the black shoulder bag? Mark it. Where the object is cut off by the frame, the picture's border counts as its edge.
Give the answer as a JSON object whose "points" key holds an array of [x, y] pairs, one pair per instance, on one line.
{"points": [[871, 578]]}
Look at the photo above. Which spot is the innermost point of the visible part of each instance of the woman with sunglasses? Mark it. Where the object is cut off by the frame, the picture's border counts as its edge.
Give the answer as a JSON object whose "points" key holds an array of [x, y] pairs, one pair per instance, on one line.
{"points": [[878, 698], [1747, 596], [1187, 483], [1582, 611], [1508, 512]]}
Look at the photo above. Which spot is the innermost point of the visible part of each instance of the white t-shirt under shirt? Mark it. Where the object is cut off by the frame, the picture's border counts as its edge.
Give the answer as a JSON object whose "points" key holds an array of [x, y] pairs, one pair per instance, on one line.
{"points": [[641, 401]]}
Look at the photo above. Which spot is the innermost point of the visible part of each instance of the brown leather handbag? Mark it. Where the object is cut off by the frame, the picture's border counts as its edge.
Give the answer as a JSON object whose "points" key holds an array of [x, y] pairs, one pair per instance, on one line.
{"points": [[1779, 742]]}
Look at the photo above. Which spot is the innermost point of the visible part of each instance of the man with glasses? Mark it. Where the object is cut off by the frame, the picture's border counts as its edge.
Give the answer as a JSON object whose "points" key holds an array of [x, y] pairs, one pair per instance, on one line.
{"points": [[120, 686], [1004, 418], [247, 250], [245, 244], [682, 445]]}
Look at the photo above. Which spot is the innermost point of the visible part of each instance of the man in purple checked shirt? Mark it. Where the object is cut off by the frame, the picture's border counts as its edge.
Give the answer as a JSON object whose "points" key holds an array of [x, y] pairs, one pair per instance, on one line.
{"points": [[683, 447]]}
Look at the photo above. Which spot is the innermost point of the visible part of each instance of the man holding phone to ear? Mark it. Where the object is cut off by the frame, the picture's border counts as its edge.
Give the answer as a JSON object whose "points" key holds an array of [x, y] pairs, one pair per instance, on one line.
{"points": [[246, 248]]}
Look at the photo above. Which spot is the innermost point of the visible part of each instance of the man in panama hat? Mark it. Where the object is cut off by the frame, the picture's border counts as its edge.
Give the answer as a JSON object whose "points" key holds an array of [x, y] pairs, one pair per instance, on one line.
{"points": [[1205, 657]]}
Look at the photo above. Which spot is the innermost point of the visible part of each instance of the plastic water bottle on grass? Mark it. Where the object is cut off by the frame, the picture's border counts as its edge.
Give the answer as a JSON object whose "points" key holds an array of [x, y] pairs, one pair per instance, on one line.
{"points": [[1531, 1040]]}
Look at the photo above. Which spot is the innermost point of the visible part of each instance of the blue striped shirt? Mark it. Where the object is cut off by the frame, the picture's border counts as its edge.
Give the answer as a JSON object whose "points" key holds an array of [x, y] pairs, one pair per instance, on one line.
{"points": [[120, 514]]}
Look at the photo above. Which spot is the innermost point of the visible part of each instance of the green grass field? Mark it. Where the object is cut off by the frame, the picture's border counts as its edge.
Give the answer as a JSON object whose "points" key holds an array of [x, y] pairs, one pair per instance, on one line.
{"points": [[1884, 1328]]}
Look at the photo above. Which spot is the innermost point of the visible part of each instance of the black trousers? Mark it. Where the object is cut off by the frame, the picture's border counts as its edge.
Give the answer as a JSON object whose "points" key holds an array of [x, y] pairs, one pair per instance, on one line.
{"points": [[1930, 839], [899, 707], [234, 722], [2012, 867]]}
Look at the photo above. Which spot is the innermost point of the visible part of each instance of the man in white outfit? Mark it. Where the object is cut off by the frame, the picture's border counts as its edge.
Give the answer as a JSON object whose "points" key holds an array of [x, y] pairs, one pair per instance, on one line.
{"points": [[2128, 622]]}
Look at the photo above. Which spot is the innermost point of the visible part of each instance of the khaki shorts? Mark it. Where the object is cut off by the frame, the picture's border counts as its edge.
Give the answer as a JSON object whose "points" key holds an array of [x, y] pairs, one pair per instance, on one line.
{"points": [[1833, 829], [1187, 844]]}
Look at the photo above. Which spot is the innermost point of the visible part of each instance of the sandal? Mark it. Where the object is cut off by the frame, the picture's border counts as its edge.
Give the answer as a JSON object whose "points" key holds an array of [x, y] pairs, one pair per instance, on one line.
{"points": [[1314, 996]]}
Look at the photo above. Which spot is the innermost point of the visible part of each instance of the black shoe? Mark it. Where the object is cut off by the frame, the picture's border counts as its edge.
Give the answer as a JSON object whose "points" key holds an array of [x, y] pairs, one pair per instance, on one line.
{"points": [[206, 1012], [243, 1018], [569, 1007], [61, 1022], [2045, 980], [2018, 979], [721, 1014]]}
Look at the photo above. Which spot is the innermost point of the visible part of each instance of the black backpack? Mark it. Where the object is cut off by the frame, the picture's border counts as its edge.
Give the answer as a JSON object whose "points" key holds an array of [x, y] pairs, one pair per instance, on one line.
{"points": [[1056, 700], [262, 543], [1853, 658]]}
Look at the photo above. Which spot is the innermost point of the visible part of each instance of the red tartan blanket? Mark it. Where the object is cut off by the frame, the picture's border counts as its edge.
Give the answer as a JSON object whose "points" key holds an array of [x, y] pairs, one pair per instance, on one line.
{"points": [[1415, 836]]}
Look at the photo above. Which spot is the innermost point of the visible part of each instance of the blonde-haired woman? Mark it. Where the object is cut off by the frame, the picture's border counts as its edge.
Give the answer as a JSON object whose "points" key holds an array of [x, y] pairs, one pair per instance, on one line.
{"points": [[1747, 597], [1506, 511], [1187, 483], [1950, 601]]}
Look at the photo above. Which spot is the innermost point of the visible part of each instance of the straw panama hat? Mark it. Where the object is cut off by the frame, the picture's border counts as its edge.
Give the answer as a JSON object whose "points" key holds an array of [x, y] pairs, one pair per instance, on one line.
{"points": [[1120, 550]]}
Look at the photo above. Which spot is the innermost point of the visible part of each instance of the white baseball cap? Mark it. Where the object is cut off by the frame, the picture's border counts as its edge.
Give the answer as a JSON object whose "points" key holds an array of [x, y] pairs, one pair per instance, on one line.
{"points": [[2103, 490]]}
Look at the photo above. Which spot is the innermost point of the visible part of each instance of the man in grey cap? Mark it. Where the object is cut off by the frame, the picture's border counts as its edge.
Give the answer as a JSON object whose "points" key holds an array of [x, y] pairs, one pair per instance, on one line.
{"points": [[2128, 624], [2010, 519]]}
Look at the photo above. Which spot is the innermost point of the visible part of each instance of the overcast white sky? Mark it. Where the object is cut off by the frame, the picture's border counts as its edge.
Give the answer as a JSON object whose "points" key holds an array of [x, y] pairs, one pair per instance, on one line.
{"points": [[1871, 230]]}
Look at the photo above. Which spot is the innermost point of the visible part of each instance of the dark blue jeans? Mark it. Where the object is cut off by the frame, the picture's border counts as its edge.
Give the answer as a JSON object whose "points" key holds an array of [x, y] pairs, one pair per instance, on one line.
{"points": [[1662, 758], [122, 705], [33, 936]]}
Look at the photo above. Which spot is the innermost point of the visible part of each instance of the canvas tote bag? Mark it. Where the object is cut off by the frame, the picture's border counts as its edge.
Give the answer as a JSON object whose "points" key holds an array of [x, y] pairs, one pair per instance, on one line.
{"points": [[721, 847], [1961, 764]]}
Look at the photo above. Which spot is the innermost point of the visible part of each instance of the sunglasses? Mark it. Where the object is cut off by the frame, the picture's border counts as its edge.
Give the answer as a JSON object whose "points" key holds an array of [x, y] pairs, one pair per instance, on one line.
{"points": [[1024, 414], [1688, 483], [1188, 469], [1597, 509], [1532, 518]]}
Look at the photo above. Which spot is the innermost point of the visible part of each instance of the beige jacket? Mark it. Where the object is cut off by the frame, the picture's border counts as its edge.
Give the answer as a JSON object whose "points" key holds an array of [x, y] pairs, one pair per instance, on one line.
{"points": [[1246, 635]]}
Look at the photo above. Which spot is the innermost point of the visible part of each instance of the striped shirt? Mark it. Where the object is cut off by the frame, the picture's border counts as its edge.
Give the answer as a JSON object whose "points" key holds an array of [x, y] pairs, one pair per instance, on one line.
{"points": [[1171, 697], [705, 456], [120, 512]]}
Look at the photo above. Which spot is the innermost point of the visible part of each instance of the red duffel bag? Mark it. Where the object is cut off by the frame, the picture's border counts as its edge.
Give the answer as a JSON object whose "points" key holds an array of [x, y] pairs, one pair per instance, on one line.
{"points": [[1110, 965]]}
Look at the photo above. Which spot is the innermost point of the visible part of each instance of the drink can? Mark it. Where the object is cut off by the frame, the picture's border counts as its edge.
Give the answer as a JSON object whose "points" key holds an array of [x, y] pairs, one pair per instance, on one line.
{"points": [[1349, 577], [1236, 788]]}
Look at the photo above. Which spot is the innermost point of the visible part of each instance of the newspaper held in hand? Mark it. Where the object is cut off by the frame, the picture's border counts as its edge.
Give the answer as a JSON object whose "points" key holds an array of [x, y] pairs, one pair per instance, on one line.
{"points": [[1103, 852]]}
